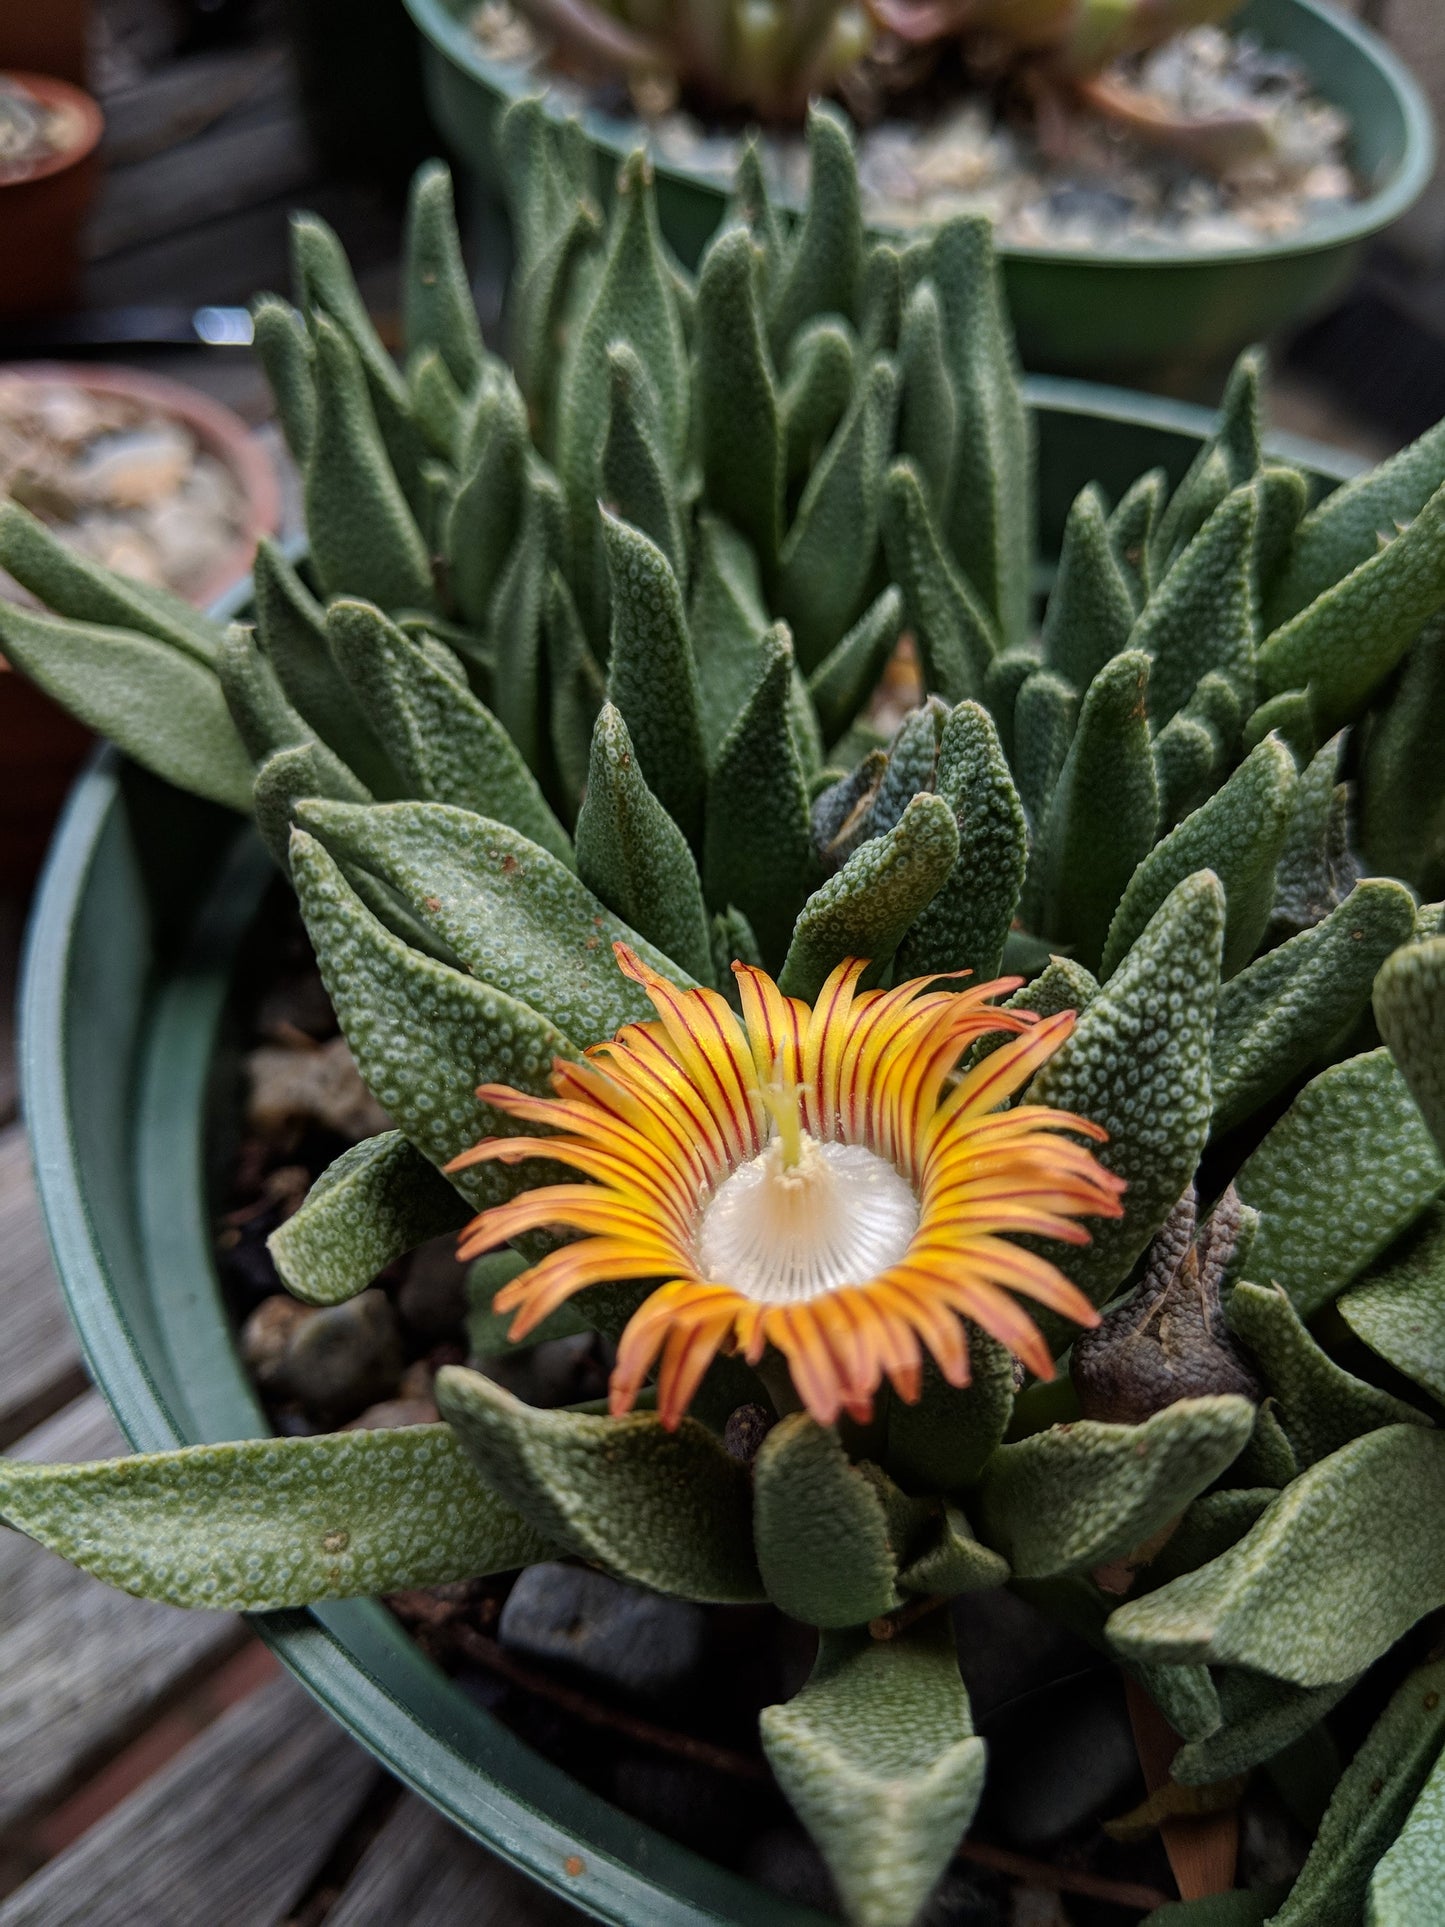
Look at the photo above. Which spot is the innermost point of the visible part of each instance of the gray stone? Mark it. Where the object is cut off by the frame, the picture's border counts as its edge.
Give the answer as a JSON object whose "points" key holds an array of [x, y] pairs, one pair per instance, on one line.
{"points": [[1007, 1648], [1065, 1760], [433, 1296], [618, 1635], [344, 1358]]}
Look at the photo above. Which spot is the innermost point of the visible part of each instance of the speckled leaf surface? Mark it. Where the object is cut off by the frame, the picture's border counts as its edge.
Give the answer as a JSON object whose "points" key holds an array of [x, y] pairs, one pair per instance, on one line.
{"points": [[878, 1757], [1402, 778], [1373, 1798], [1090, 609], [1080, 1495], [820, 1528], [954, 631], [1348, 1167], [509, 911], [1329, 1578], [270, 1523], [1261, 1717], [437, 297], [1202, 617], [1409, 1878], [1410, 1010], [953, 1561], [1398, 1306], [379, 1200], [663, 1509], [740, 436], [941, 1443], [847, 676], [1138, 1063], [1275, 1014]]}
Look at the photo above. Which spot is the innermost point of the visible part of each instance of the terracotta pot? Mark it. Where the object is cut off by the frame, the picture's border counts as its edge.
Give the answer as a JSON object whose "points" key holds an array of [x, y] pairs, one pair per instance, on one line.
{"points": [[40, 747], [42, 209]]}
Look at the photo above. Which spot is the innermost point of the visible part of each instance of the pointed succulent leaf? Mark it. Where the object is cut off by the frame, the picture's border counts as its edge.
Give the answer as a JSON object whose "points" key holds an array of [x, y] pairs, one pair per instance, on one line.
{"points": [[285, 778], [424, 1036], [1369, 1807], [1398, 1306], [1261, 1718], [726, 620], [438, 407], [1240, 416], [739, 427], [952, 1560], [1090, 611], [991, 514], [1329, 1578], [821, 271], [488, 1330], [637, 473], [1043, 728], [283, 348], [1316, 867], [379, 1200], [827, 558], [912, 755], [732, 942], [1204, 487], [508, 911], [1344, 643], [1080, 1495], [967, 923], [757, 851], [159, 705], [636, 859], [926, 416], [1238, 834], [577, 686], [750, 205], [1006, 676], [1408, 1878], [1291, 717], [439, 312], [269, 1523], [1104, 811], [1131, 532], [651, 676], [821, 1529], [818, 383], [868, 908], [1138, 1063], [364, 538], [941, 1442], [1283, 494], [878, 1757], [1348, 1167], [1410, 1010], [669, 1510], [880, 299], [264, 720], [1202, 617], [1274, 1014], [1186, 767], [541, 289], [846, 677], [1402, 774], [953, 631], [86, 591], [482, 522], [1323, 1406], [449, 748], [1347, 528]]}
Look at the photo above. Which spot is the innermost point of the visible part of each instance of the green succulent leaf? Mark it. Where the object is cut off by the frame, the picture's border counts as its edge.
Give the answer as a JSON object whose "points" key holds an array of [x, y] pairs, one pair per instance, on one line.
{"points": [[757, 852], [1261, 1717], [1204, 487], [819, 370], [1291, 716], [1370, 1806], [1091, 609], [637, 473], [1238, 834], [1043, 728], [379, 1200], [1402, 777], [822, 266], [438, 309], [1410, 1010], [286, 779], [510, 913], [283, 348], [878, 1757], [952, 1561], [927, 414], [1186, 767], [485, 514], [663, 1509], [1398, 1306], [967, 923], [821, 1529], [517, 611], [868, 907], [1132, 532], [1275, 1014], [264, 719], [577, 686], [1334, 1572], [1348, 1167], [159, 705], [1138, 1063], [634, 857], [1406, 1884], [953, 630], [942, 1441], [846, 677], [1079, 1495], [739, 425], [270, 1523]]}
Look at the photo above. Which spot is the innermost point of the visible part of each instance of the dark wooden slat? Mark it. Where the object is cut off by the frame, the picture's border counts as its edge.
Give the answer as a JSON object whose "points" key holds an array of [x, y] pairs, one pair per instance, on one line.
{"points": [[420, 1871], [230, 1834], [83, 1668], [182, 100], [39, 1358]]}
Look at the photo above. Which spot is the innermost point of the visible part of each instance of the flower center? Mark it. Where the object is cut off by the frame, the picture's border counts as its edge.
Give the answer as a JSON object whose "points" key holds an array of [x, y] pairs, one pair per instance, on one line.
{"points": [[784, 1228]]}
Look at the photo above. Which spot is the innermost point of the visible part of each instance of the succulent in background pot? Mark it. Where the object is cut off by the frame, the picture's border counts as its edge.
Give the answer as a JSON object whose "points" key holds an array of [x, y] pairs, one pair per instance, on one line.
{"points": [[556, 780], [49, 131]]}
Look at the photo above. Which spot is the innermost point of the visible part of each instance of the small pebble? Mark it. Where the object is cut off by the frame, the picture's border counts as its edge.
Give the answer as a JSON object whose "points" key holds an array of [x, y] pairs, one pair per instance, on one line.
{"points": [[344, 1358], [266, 1338], [620, 1636]]}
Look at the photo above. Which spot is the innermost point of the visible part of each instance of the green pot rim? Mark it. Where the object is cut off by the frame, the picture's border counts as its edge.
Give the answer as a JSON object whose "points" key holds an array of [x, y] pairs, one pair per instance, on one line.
{"points": [[618, 135]]}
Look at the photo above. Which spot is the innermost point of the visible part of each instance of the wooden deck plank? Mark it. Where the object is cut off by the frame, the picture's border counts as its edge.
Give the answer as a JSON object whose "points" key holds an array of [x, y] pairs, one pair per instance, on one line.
{"points": [[420, 1871], [39, 1357], [83, 1669], [231, 1834]]}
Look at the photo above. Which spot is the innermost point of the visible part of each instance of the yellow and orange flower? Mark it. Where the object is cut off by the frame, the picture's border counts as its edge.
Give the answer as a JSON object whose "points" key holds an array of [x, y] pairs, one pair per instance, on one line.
{"points": [[820, 1181]]}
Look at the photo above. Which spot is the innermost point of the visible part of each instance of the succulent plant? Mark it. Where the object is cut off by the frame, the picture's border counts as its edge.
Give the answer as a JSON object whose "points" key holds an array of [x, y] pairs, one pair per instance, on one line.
{"points": [[506, 740]]}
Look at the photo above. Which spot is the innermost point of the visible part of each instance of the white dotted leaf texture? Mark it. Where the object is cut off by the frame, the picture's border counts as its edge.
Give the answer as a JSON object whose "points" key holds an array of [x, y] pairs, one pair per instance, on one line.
{"points": [[1408, 1881], [1398, 1307], [820, 1528], [1410, 1010]]}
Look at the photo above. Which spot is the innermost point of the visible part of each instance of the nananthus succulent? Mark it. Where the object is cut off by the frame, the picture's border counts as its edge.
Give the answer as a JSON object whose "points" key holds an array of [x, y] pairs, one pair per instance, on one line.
{"points": [[682, 990]]}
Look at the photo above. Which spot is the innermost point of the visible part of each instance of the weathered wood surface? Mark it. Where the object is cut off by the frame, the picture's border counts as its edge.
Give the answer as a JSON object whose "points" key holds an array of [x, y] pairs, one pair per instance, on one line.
{"points": [[39, 1357], [420, 1871], [83, 1669], [231, 1834]]}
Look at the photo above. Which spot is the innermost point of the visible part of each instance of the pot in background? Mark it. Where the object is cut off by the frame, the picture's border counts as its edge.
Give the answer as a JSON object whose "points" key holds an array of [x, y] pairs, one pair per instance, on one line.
{"points": [[43, 206]]}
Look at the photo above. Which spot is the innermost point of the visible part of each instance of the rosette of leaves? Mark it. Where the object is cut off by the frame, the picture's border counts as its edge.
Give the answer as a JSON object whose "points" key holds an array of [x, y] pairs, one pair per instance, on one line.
{"points": [[502, 726]]}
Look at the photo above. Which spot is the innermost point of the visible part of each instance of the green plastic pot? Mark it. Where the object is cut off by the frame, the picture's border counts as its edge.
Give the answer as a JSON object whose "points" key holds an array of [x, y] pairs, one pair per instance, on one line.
{"points": [[1141, 308], [130, 1082]]}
